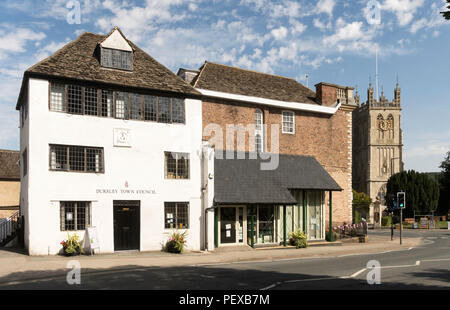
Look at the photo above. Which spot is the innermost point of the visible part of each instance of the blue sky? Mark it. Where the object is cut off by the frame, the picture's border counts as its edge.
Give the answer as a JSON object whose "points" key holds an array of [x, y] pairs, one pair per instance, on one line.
{"points": [[330, 40]]}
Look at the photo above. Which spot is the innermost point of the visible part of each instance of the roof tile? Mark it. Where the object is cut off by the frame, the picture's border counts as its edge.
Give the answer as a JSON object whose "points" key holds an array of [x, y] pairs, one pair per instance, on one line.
{"points": [[239, 81]]}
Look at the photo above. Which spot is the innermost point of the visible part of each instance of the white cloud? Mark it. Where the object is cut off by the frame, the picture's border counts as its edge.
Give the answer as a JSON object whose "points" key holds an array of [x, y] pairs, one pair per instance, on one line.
{"points": [[48, 49], [403, 9], [352, 31], [15, 40], [137, 20], [325, 6], [320, 25], [432, 20], [297, 27], [279, 33]]}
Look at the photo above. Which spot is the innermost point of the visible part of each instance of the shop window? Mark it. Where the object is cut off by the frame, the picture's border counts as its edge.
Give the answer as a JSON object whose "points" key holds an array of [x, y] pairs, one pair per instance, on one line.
{"points": [[176, 215]]}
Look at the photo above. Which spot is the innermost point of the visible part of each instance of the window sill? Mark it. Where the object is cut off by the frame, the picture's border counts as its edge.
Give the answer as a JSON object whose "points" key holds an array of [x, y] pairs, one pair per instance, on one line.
{"points": [[74, 171]]}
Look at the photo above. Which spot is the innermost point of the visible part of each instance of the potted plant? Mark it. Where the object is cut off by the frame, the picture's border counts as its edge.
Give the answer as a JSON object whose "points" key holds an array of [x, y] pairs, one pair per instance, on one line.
{"points": [[298, 239], [176, 242], [72, 246]]}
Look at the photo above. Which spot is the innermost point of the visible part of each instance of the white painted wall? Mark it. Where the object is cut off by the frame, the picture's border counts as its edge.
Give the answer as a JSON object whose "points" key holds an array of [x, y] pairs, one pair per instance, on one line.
{"points": [[142, 166]]}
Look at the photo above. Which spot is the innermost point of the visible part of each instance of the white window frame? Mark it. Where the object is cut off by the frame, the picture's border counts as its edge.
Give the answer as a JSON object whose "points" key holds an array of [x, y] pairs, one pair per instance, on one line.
{"points": [[259, 131], [293, 122]]}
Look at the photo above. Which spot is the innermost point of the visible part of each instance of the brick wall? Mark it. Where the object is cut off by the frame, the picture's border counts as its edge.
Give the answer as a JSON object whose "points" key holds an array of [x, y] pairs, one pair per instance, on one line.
{"points": [[327, 138]]}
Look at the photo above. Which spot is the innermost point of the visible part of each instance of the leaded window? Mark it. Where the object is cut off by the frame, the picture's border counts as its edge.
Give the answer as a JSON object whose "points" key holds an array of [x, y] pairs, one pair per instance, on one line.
{"points": [[164, 110], [90, 99], [177, 110], [107, 103], [57, 95], [76, 158], [75, 215], [121, 105], [176, 165], [84, 100], [150, 108], [74, 99], [135, 106], [117, 59], [176, 215]]}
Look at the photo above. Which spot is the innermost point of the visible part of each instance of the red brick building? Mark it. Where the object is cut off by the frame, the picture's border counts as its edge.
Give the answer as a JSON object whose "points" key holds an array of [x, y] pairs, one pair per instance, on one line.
{"points": [[304, 123]]}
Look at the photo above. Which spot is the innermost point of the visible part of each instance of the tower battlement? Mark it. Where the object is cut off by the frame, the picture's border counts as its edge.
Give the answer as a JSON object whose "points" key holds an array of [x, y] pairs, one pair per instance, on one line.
{"points": [[373, 102]]}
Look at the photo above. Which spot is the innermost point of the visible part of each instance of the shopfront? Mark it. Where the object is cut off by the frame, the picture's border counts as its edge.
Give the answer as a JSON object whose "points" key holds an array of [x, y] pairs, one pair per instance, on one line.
{"points": [[266, 222], [256, 208]]}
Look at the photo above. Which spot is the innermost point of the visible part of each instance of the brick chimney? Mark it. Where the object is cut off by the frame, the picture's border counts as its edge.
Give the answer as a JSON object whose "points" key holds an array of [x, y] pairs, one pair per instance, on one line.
{"points": [[330, 94]]}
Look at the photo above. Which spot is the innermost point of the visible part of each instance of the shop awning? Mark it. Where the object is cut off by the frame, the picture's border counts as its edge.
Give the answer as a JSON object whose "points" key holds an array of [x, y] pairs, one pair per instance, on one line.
{"points": [[239, 181]]}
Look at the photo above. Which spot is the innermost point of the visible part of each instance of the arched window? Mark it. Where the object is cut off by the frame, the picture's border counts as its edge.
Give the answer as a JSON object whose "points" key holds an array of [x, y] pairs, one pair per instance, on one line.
{"points": [[390, 126], [259, 131], [258, 143], [381, 126]]}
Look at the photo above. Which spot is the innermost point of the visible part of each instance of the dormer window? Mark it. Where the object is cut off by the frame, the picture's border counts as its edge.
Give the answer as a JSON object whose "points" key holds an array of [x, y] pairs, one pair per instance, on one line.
{"points": [[117, 59], [116, 52]]}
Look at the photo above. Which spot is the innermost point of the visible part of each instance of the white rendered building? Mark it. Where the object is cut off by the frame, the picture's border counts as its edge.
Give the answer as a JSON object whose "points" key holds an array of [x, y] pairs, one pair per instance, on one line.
{"points": [[110, 139]]}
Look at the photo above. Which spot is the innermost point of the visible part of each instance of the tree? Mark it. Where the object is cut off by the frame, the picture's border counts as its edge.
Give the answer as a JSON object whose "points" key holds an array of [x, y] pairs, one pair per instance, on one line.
{"points": [[422, 192], [361, 203], [447, 13], [444, 180], [361, 198]]}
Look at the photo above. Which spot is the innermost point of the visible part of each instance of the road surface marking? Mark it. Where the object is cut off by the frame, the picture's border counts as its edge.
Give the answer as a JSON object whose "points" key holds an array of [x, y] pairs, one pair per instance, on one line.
{"points": [[436, 260], [292, 281], [418, 263], [358, 273]]}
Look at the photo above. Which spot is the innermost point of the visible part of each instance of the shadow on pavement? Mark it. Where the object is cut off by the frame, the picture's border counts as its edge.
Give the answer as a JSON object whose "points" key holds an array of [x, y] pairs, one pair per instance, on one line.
{"points": [[202, 278]]}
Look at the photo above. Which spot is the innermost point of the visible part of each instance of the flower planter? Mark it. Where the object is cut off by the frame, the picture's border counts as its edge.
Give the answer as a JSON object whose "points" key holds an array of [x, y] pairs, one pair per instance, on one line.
{"points": [[77, 252]]}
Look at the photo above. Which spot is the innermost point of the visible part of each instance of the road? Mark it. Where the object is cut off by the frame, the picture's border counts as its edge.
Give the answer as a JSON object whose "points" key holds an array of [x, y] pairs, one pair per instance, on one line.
{"points": [[423, 267]]}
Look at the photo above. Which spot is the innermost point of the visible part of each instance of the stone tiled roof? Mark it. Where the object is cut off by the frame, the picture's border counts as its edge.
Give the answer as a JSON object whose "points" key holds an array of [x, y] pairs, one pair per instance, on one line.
{"points": [[79, 60], [242, 180], [239, 81], [9, 165]]}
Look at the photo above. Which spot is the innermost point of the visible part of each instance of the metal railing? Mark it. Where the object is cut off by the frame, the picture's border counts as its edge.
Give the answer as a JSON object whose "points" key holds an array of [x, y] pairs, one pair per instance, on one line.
{"points": [[9, 226], [351, 230]]}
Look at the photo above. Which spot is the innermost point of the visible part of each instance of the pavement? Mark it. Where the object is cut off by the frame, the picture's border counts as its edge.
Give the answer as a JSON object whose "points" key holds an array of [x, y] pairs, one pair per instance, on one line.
{"points": [[18, 270]]}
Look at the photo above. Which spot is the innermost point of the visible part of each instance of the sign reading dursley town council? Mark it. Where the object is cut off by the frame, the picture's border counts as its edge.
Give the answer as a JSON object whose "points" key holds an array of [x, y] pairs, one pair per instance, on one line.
{"points": [[126, 191]]}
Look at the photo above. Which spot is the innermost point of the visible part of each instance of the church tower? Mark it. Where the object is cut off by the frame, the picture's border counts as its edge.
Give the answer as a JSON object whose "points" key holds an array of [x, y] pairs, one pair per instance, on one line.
{"points": [[377, 147]]}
